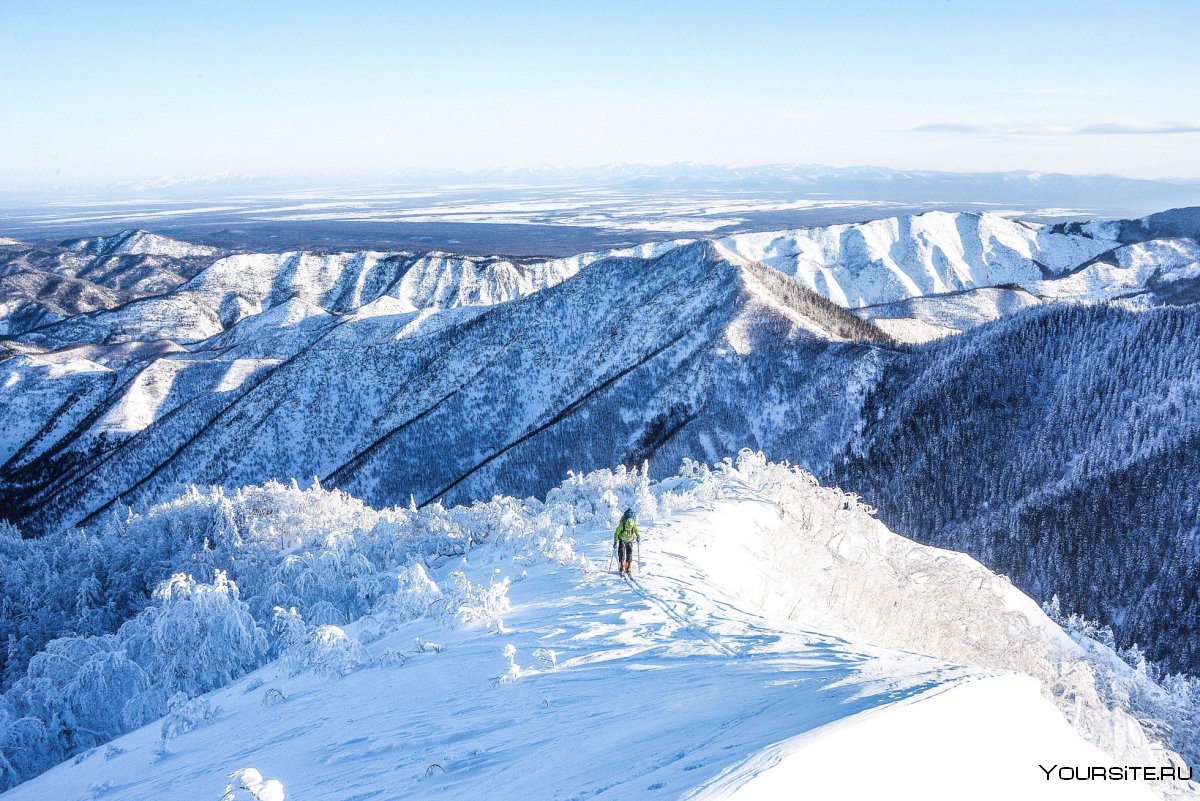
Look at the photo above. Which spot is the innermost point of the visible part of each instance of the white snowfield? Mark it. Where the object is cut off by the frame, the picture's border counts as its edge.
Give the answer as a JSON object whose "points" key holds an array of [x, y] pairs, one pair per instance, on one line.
{"points": [[1133, 268], [776, 642], [931, 317]]}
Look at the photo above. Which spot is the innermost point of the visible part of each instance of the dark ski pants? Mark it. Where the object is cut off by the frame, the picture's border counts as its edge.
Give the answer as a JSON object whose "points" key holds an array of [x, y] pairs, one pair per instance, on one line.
{"points": [[624, 551]]}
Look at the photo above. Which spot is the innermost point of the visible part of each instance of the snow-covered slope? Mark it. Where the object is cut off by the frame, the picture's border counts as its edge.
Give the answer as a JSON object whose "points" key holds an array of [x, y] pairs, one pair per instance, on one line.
{"points": [[929, 317], [1143, 272], [774, 637], [663, 350], [886, 269], [889, 260], [351, 366], [1059, 447], [230, 289], [139, 243], [40, 286]]}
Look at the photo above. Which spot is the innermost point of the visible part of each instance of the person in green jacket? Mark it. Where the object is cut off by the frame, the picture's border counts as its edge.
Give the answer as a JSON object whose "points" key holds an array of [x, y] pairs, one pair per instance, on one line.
{"points": [[627, 531]]}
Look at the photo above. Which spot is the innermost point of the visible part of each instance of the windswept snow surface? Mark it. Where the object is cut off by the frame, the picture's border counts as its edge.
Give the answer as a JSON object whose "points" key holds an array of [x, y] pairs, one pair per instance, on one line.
{"points": [[747, 659], [970, 740]]}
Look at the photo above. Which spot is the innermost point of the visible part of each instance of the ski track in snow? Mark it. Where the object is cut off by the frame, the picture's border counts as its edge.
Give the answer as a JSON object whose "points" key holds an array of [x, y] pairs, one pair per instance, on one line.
{"points": [[666, 686]]}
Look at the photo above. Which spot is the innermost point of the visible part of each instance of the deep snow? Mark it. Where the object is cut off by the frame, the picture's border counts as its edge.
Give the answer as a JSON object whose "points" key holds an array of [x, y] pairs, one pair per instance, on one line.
{"points": [[745, 660]]}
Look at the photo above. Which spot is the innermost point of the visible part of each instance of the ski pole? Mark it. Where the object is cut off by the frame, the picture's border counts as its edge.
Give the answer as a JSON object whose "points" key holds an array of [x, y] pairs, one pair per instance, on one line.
{"points": [[610, 558], [639, 559]]}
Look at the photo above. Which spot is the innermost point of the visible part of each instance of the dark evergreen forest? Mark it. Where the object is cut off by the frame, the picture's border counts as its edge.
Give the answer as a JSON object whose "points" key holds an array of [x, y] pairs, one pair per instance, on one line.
{"points": [[1058, 447]]}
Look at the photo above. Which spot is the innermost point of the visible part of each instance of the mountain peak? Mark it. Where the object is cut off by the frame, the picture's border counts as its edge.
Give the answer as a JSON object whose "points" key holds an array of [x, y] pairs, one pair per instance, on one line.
{"points": [[136, 241]]}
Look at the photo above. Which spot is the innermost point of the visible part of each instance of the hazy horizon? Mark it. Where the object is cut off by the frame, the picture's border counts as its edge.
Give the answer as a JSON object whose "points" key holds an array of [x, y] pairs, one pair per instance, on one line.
{"points": [[562, 211], [131, 91]]}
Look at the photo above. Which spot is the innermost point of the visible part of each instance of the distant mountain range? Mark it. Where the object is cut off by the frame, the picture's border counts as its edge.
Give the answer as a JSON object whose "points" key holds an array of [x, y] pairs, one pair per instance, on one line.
{"points": [[136, 364]]}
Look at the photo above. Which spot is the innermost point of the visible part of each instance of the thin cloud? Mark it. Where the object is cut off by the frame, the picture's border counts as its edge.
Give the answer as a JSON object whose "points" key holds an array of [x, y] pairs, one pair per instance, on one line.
{"points": [[1024, 131], [1122, 128]]}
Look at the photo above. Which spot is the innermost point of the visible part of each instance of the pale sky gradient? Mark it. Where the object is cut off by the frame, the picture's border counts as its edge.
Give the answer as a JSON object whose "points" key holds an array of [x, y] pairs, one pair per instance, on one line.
{"points": [[99, 92]]}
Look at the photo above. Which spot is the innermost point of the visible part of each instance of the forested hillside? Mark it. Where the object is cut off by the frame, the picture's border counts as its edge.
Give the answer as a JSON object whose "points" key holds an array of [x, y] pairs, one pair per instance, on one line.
{"points": [[1059, 447]]}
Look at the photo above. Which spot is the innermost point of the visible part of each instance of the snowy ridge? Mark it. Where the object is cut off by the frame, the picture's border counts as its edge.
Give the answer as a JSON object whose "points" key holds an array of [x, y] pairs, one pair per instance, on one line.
{"points": [[41, 286], [359, 333], [234, 288], [888, 260], [929, 317], [1133, 271], [392, 385], [857, 265], [450, 651], [344, 282], [138, 243]]}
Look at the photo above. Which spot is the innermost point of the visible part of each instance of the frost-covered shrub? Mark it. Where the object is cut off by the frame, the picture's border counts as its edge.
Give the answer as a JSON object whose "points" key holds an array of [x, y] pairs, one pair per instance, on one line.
{"points": [[29, 747], [414, 596], [288, 629], [248, 784], [197, 637], [328, 651], [546, 658], [82, 691], [1167, 705], [102, 695], [465, 603], [604, 493], [391, 658], [187, 714], [513, 671]]}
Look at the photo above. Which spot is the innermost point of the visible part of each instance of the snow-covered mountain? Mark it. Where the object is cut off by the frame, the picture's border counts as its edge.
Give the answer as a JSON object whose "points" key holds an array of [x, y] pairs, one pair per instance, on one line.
{"points": [[886, 269], [775, 637], [889, 260], [446, 377], [351, 366], [504, 393], [861, 265], [137, 242], [41, 286]]}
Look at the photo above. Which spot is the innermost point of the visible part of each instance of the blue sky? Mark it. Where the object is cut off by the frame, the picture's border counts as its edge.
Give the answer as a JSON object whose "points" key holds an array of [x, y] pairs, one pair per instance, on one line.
{"points": [[97, 92]]}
